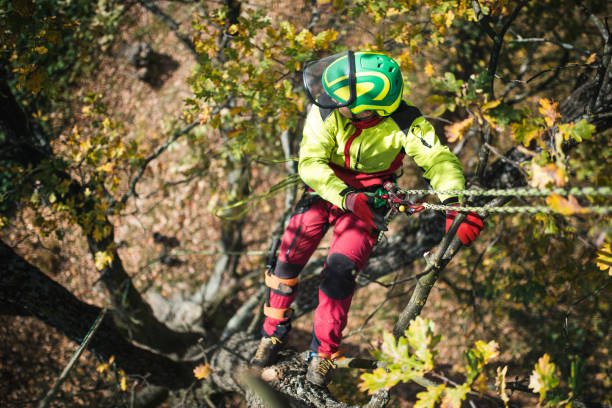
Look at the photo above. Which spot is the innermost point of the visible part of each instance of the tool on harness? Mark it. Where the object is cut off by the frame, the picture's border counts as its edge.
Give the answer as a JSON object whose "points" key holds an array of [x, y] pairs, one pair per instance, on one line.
{"points": [[397, 202], [281, 286]]}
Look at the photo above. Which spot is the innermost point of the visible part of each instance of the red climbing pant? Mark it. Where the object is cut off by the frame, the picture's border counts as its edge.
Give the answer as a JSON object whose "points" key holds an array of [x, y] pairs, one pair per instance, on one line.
{"points": [[350, 248]]}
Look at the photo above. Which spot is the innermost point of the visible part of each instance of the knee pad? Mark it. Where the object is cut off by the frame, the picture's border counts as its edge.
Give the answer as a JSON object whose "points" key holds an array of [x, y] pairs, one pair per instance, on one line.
{"points": [[338, 276]]}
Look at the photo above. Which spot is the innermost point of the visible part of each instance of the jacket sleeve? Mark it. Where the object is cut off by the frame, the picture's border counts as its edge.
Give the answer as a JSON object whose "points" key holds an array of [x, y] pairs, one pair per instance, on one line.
{"points": [[442, 168], [317, 145]]}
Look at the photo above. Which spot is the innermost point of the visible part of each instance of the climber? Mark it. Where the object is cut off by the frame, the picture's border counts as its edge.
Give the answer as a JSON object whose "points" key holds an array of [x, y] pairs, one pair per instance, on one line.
{"points": [[355, 137]]}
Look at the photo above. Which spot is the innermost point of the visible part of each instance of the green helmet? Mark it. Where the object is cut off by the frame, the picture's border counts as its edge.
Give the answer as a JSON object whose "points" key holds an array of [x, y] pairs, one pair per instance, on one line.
{"points": [[361, 80]]}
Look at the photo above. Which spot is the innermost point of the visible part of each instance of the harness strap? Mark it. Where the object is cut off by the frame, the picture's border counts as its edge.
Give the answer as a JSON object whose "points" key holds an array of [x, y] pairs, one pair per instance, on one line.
{"points": [[285, 287]]}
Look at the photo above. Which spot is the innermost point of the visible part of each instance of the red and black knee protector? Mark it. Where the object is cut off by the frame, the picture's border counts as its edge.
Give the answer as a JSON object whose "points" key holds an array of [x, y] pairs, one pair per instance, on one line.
{"points": [[335, 294], [338, 276]]}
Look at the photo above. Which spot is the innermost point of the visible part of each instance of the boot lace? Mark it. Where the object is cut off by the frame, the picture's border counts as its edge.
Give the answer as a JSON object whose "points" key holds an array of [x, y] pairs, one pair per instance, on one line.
{"points": [[263, 346], [324, 366]]}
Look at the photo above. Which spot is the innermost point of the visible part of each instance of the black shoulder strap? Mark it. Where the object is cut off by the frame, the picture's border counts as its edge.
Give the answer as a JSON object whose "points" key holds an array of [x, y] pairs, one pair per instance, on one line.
{"points": [[404, 115]]}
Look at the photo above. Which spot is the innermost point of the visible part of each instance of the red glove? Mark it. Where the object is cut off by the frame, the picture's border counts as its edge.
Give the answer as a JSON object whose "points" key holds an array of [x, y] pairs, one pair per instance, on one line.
{"points": [[469, 229], [362, 205]]}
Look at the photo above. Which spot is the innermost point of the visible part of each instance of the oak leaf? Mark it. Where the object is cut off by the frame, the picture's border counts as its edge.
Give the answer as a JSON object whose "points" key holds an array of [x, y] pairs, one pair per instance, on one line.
{"points": [[202, 371], [604, 258], [548, 109], [564, 206], [544, 175], [457, 130]]}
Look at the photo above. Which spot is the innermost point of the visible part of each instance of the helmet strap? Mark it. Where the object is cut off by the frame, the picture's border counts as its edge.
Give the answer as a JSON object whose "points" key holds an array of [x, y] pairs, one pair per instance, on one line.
{"points": [[354, 118]]}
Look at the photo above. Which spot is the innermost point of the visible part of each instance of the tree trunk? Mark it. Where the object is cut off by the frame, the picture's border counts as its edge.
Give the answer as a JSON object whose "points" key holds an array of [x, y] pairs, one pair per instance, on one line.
{"points": [[24, 288]]}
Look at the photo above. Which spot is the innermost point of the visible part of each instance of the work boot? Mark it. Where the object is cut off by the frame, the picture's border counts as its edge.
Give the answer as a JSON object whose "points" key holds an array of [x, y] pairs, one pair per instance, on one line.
{"points": [[267, 351], [320, 368]]}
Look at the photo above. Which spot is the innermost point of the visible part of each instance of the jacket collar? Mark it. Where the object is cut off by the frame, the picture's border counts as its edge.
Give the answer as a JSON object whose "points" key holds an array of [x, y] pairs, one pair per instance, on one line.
{"points": [[368, 123]]}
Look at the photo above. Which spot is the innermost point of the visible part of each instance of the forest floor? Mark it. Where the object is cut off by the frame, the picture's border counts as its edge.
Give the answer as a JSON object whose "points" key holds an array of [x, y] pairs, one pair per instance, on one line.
{"points": [[32, 355]]}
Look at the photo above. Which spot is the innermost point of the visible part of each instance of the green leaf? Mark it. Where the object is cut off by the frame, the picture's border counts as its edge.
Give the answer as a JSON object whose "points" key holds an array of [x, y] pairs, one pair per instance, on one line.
{"points": [[427, 399], [581, 130], [544, 377], [453, 396], [449, 83]]}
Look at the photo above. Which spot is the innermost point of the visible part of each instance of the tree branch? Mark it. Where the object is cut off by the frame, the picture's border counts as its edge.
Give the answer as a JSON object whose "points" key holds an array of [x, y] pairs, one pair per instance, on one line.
{"points": [[170, 23]]}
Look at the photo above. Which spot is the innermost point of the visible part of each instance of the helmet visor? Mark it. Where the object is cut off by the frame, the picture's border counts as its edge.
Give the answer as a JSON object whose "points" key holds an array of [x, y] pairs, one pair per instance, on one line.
{"points": [[330, 82]]}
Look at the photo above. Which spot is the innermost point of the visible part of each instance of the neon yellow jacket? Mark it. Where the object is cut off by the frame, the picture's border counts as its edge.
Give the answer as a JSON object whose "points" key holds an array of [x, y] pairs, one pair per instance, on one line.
{"points": [[333, 146]]}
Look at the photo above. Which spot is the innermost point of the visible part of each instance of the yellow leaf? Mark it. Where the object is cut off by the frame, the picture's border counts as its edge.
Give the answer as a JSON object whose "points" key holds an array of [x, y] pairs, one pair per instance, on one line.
{"points": [[306, 39], [429, 69], [457, 130], [592, 58], [123, 381], [202, 371], [103, 259], [453, 396], [544, 377], [490, 105], [480, 383], [500, 382], [41, 49], [97, 234], [204, 115], [489, 350], [604, 258], [107, 167], [233, 29], [549, 174], [565, 206], [102, 368], [548, 109]]}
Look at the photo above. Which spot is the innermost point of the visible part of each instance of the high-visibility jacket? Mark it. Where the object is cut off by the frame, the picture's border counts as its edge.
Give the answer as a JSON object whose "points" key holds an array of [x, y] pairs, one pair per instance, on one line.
{"points": [[336, 153]]}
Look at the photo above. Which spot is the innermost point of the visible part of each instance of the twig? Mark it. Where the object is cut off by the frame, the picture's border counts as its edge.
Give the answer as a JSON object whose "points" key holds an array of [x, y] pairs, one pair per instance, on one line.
{"points": [[170, 23], [45, 401], [505, 159], [156, 154]]}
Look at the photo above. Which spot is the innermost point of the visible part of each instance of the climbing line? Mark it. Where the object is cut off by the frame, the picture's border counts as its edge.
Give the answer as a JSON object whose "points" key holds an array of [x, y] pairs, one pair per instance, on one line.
{"points": [[531, 209], [520, 192], [248, 203]]}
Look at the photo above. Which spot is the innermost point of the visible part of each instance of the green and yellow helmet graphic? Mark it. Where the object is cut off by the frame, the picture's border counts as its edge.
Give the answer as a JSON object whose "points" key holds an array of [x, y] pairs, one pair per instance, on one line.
{"points": [[359, 80], [378, 82]]}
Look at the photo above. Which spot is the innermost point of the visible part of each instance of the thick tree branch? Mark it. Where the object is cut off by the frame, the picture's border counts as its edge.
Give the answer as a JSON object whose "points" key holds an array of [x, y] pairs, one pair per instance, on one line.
{"points": [[25, 287]]}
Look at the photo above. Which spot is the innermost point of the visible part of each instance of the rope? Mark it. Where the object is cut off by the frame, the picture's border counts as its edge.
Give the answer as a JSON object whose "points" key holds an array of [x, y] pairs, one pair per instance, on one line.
{"points": [[294, 179], [532, 209], [520, 192], [92, 330]]}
